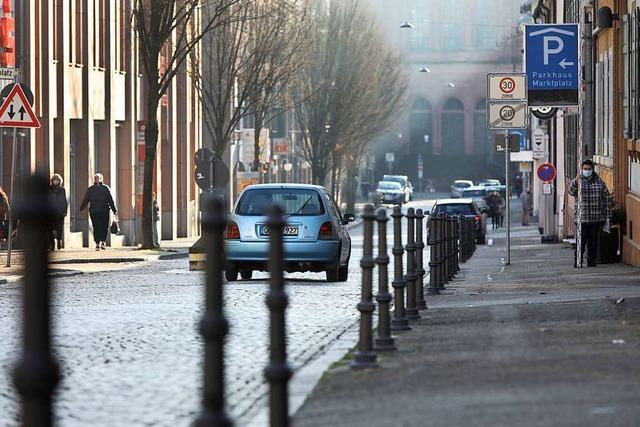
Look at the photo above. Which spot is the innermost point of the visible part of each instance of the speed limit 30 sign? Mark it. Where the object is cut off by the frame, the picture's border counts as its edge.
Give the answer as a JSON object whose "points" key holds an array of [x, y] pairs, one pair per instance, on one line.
{"points": [[506, 87]]}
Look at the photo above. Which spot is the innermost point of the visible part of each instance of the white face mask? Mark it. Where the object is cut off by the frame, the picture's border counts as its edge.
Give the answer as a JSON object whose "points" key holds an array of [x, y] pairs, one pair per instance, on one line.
{"points": [[587, 173]]}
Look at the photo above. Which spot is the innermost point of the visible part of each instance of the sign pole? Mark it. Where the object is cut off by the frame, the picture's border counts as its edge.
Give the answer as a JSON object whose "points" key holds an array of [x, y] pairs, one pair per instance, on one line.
{"points": [[507, 155], [14, 154]]}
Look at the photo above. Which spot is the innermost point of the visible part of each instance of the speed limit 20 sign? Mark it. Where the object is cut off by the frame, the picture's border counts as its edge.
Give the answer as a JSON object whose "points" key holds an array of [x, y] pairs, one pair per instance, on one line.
{"points": [[506, 87]]}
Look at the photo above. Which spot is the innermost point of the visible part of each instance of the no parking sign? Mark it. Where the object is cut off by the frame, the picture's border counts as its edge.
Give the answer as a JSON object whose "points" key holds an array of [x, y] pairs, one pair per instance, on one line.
{"points": [[546, 172]]}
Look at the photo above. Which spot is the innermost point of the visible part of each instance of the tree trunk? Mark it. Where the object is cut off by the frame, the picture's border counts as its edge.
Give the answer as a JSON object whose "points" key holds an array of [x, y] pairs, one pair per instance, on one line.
{"points": [[350, 191], [151, 148], [319, 173]]}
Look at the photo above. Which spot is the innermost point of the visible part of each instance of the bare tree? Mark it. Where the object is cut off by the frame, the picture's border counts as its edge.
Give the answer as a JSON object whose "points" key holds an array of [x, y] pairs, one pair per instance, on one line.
{"points": [[283, 38], [168, 32], [351, 89], [245, 62]]}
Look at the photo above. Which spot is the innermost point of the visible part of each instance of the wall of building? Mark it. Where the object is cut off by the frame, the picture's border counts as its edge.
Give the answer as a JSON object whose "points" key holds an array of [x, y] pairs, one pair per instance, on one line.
{"points": [[460, 43], [80, 59]]}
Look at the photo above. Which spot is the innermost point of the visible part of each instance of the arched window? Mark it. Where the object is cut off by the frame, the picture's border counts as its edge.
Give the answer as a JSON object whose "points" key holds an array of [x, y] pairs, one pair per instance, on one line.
{"points": [[480, 132], [421, 126], [453, 127]]}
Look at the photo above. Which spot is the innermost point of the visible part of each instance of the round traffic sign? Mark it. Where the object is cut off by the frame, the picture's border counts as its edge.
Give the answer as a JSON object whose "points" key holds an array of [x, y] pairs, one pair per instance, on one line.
{"points": [[507, 85], [7, 90], [546, 172], [507, 113]]}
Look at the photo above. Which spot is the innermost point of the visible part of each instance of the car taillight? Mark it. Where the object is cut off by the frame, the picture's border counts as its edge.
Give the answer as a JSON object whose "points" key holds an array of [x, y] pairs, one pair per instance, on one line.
{"points": [[326, 231], [478, 218], [232, 232]]}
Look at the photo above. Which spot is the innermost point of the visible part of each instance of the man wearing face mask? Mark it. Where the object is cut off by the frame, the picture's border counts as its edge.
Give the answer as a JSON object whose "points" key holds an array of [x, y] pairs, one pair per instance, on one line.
{"points": [[595, 209]]}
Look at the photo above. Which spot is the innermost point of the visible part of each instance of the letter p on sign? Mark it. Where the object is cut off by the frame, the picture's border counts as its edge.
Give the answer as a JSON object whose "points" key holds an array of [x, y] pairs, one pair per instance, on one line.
{"points": [[548, 50]]}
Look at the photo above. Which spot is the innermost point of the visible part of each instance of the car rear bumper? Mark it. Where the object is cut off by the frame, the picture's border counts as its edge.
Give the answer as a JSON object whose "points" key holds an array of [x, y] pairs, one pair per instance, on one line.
{"points": [[323, 251]]}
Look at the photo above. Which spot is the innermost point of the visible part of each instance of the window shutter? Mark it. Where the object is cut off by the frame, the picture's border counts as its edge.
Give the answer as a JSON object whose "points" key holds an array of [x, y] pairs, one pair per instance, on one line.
{"points": [[610, 101], [626, 87]]}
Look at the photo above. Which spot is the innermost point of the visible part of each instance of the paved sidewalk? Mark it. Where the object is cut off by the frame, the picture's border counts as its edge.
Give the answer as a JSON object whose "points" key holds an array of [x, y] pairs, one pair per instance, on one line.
{"points": [[536, 343], [77, 261]]}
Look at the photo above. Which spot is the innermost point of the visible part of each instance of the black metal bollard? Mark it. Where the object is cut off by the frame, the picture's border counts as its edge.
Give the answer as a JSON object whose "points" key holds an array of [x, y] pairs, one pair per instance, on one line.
{"points": [[365, 357], [384, 341], [452, 252], [278, 371], [445, 248], [399, 322], [420, 302], [456, 243], [432, 241], [213, 325], [411, 277], [36, 375], [442, 264]]}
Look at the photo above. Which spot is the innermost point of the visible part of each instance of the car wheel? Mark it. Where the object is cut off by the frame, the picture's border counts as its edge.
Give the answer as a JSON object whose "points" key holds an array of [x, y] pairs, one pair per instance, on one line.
{"points": [[343, 273], [481, 240], [246, 274], [231, 274], [332, 275]]}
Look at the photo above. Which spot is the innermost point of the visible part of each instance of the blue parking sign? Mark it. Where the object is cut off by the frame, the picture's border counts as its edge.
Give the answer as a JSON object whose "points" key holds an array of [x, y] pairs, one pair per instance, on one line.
{"points": [[551, 61]]}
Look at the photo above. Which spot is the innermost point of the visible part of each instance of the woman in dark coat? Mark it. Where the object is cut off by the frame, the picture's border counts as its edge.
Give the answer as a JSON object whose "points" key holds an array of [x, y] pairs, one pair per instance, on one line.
{"points": [[100, 202], [59, 202]]}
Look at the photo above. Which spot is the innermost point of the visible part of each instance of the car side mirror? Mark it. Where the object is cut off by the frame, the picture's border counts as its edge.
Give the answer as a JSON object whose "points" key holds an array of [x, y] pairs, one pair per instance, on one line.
{"points": [[348, 218], [426, 212]]}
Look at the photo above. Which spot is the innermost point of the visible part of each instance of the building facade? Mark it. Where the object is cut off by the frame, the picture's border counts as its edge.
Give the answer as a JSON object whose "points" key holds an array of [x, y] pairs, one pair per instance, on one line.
{"points": [[80, 59], [448, 55]]}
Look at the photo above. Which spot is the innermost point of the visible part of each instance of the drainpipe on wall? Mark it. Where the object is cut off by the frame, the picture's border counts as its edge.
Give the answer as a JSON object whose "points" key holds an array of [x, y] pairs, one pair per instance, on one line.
{"points": [[588, 112]]}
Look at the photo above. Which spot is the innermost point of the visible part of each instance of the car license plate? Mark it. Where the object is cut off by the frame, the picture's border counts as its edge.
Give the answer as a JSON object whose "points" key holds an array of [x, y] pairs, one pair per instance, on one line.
{"points": [[288, 230]]}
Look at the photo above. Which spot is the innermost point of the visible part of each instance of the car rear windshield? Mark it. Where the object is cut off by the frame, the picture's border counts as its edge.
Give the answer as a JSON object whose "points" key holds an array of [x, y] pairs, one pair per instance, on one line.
{"points": [[294, 201], [474, 193], [455, 209], [389, 186]]}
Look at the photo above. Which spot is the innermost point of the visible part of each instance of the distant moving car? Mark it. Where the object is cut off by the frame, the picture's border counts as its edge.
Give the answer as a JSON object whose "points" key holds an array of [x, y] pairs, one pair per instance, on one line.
{"points": [[459, 185], [389, 192], [479, 195], [466, 208], [407, 187], [315, 236]]}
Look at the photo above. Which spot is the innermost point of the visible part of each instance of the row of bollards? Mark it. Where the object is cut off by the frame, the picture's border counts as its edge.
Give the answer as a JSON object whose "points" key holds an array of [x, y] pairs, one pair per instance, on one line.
{"points": [[451, 240]]}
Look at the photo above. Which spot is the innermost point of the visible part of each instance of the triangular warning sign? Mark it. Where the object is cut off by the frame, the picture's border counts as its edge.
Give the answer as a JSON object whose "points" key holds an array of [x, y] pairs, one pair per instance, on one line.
{"points": [[16, 112]]}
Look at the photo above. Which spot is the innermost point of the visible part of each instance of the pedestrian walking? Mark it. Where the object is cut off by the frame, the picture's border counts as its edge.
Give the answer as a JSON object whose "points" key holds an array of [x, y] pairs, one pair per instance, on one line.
{"points": [[5, 209], [156, 219], [595, 210], [518, 185], [60, 204], [527, 206], [100, 202], [503, 207], [493, 200]]}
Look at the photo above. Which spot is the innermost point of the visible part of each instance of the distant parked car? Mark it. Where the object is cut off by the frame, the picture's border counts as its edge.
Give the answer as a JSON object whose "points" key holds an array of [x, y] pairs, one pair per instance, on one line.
{"points": [[389, 192], [479, 195], [489, 182], [315, 236], [407, 187], [466, 208], [459, 185]]}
